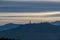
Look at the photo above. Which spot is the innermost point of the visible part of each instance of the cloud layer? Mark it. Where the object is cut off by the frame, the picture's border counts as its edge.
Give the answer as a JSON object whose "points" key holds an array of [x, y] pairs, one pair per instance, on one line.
{"points": [[32, 0], [23, 18]]}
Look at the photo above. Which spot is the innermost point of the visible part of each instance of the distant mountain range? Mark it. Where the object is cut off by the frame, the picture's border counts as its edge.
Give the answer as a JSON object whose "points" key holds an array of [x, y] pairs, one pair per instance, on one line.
{"points": [[8, 26], [35, 31], [56, 23]]}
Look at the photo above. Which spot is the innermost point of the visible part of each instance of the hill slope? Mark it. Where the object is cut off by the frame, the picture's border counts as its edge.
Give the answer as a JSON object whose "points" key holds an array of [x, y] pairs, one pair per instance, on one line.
{"points": [[8, 26], [39, 31]]}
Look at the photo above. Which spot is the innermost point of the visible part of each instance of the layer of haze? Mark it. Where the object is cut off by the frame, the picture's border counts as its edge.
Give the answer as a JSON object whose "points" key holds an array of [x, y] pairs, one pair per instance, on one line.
{"points": [[22, 18]]}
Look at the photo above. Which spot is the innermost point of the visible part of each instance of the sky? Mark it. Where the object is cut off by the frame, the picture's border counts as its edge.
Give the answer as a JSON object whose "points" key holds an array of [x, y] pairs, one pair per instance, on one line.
{"points": [[23, 18], [37, 17], [33, 0]]}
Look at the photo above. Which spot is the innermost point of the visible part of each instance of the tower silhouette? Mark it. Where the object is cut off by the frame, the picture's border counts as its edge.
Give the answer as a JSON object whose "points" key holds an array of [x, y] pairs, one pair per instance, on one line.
{"points": [[30, 22]]}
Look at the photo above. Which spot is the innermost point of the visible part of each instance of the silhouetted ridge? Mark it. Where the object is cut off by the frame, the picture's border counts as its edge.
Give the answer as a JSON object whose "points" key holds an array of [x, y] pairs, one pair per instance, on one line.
{"points": [[33, 31], [9, 26], [56, 23], [41, 27]]}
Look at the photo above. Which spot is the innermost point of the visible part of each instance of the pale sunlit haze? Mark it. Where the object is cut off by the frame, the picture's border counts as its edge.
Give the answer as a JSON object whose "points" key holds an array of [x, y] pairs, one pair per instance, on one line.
{"points": [[22, 18]]}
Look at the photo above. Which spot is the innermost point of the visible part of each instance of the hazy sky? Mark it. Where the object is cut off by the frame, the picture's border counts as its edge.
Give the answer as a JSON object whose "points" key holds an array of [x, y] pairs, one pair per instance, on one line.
{"points": [[32, 0], [23, 18]]}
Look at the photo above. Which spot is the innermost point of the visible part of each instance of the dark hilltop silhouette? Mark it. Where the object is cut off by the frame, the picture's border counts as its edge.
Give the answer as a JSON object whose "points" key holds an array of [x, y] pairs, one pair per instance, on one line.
{"points": [[32, 31], [6, 39]]}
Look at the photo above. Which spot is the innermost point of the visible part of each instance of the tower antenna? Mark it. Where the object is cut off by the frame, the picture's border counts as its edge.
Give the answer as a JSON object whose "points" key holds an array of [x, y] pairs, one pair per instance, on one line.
{"points": [[30, 22]]}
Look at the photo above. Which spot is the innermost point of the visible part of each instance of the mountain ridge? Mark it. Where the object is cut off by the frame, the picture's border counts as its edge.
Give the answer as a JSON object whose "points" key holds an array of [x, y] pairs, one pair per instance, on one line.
{"points": [[33, 31], [8, 26]]}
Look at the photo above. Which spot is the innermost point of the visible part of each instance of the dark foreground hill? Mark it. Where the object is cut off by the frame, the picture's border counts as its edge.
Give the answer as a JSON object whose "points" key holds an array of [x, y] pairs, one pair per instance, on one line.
{"points": [[6, 39], [39, 31]]}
